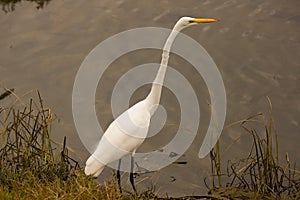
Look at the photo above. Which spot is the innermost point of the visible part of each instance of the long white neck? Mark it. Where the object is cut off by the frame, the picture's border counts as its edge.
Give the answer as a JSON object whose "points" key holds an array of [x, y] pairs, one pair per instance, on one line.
{"points": [[155, 93]]}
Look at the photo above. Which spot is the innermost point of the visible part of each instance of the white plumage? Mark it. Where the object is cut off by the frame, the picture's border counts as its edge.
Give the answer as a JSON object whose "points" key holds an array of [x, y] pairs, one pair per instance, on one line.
{"points": [[128, 131]]}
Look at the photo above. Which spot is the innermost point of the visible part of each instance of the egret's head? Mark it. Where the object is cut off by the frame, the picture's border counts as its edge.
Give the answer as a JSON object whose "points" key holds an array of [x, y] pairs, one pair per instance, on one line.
{"points": [[188, 21]]}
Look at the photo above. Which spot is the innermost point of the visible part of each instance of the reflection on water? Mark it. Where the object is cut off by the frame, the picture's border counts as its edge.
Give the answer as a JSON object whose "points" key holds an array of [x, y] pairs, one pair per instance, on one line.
{"points": [[9, 5]]}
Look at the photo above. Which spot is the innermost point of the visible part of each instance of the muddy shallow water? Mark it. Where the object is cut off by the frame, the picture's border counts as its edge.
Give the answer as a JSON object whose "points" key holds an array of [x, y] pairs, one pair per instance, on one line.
{"points": [[256, 47]]}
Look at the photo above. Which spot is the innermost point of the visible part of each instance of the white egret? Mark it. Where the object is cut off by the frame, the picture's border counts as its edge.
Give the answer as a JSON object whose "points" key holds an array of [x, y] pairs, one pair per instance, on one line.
{"points": [[128, 131]]}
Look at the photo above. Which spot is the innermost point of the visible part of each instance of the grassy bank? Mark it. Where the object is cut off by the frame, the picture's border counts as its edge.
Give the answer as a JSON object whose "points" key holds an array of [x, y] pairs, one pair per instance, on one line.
{"points": [[32, 166]]}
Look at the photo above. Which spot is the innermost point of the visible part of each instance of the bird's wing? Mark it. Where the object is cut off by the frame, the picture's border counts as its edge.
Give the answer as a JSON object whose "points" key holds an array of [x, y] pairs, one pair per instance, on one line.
{"points": [[124, 135]]}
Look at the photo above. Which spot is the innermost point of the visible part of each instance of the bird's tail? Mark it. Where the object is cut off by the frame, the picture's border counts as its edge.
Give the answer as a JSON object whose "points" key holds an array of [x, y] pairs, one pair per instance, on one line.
{"points": [[93, 167]]}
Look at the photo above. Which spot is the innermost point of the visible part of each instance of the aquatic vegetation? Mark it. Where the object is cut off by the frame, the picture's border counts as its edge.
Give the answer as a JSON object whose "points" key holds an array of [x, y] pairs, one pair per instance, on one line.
{"points": [[260, 175]]}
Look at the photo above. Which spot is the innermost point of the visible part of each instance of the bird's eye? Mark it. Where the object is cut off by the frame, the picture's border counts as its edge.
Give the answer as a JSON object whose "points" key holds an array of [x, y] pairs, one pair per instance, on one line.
{"points": [[191, 21]]}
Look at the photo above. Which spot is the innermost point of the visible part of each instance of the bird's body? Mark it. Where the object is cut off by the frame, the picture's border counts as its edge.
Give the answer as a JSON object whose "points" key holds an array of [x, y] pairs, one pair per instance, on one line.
{"points": [[128, 131], [119, 139]]}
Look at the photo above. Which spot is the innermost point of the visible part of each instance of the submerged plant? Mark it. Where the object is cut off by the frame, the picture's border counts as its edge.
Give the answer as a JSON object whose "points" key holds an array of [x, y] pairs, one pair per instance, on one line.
{"points": [[10, 5]]}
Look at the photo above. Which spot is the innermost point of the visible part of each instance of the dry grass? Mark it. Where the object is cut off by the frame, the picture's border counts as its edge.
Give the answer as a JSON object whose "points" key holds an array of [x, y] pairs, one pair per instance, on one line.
{"points": [[260, 175], [32, 166]]}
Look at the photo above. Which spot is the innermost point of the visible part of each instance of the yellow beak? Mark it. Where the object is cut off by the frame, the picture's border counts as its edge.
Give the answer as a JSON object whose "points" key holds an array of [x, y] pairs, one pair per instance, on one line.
{"points": [[204, 20]]}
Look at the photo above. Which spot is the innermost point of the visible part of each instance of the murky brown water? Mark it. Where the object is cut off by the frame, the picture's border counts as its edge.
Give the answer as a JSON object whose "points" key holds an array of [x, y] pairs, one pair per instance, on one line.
{"points": [[256, 48]]}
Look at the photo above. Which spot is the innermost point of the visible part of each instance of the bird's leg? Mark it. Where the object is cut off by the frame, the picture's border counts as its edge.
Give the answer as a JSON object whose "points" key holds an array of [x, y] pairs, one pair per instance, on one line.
{"points": [[119, 176], [131, 178]]}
